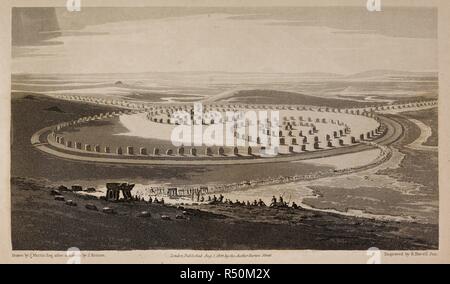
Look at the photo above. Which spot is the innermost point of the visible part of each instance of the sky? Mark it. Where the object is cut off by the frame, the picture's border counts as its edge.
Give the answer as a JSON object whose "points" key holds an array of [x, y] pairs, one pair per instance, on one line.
{"points": [[282, 40]]}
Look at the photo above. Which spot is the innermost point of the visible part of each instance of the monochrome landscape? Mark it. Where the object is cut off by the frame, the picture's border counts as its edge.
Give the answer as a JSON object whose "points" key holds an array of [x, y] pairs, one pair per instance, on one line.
{"points": [[317, 128]]}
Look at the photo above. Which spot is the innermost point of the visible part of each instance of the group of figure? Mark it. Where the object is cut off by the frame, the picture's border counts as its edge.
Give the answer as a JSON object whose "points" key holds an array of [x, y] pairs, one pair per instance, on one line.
{"points": [[259, 203], [150, 199], [281, 203], [221, 200], [156, 200]]}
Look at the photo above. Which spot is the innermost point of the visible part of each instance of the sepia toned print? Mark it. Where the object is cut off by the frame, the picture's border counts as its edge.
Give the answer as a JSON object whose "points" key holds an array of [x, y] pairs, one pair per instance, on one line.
{"points": [[224, 128]]}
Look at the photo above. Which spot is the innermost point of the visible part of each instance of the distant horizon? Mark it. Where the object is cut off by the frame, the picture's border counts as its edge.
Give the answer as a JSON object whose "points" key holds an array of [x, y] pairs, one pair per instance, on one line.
{"points": [[237, 72]]}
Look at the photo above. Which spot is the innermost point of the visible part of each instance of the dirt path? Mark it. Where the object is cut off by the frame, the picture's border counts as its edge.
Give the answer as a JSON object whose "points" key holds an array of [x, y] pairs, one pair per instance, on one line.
{"points": [[425, 133]]}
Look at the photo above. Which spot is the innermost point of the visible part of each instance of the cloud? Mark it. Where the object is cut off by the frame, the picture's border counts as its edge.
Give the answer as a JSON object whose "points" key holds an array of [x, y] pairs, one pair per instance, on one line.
{"points": [[408, 22], [214, 42]]}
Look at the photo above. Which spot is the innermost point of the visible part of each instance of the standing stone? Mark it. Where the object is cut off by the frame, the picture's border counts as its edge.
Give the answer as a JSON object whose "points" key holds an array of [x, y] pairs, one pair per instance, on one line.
{"points": [[130, 150]]}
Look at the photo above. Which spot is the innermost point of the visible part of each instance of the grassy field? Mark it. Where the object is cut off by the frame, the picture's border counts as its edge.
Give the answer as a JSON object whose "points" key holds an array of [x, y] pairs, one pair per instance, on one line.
{"points": [[411, 189], [418, 166], [283, 97], [264, 96], [41, 223], [428, 117]]}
